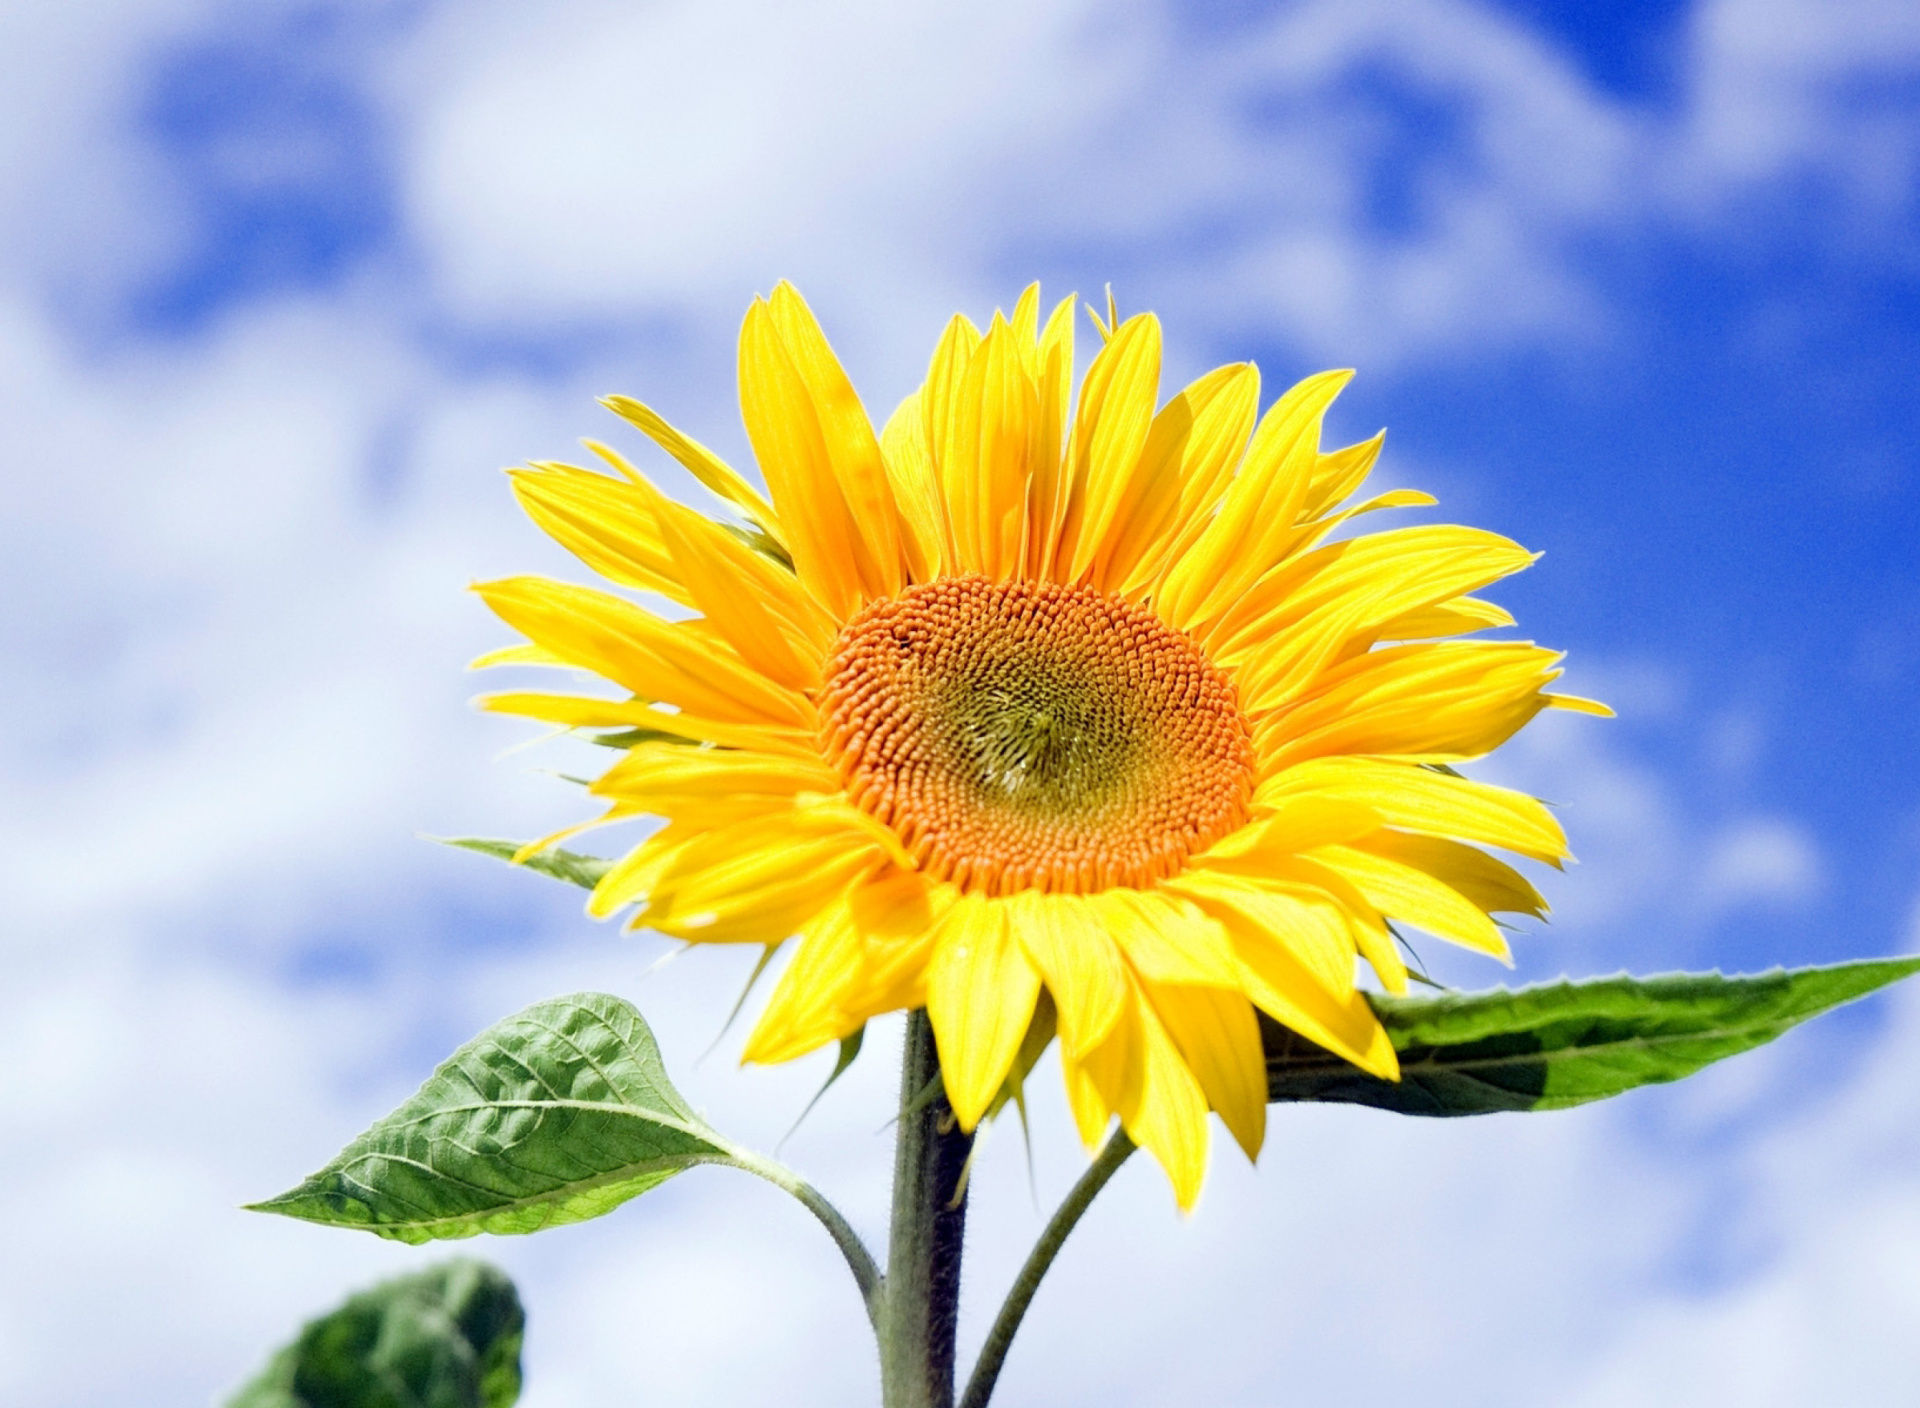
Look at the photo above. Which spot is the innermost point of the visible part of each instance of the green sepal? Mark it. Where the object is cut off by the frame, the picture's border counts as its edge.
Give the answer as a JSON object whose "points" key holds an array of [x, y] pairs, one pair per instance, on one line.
{"points": [[571, 866], [1562, 1044], [444, 1338], [558, 1114]]}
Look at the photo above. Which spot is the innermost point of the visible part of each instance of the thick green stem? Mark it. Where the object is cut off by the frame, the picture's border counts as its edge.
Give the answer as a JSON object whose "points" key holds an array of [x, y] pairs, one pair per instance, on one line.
{"points": [[986, 1370], [922, 1297]]}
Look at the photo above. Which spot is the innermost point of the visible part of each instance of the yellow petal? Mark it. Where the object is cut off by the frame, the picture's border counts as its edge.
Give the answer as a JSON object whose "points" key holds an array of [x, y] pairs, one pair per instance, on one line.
{"points": [[1294, 823], [1169, 1119], [1078, 961], [1313, 929], [1046, 467], [828, 551], [1192, 447], [1418, 799], [940, 402], [980, 995], [1461, 616], [897, 912], [660, 660], [1219, 1039], [1166, 938], [983, 460], [851, 444], [517, 655], [605, 522], [1282, 987], [634, 874], [700, 462], [803, 1014], [724, 578], [1091, 1113], [1306, 613], [1405, 892], [926, 536], [1440, 702], [760, 880], [1257, 513], [1493, 885], [1338, 474], [1116, 412], [664, 778]]}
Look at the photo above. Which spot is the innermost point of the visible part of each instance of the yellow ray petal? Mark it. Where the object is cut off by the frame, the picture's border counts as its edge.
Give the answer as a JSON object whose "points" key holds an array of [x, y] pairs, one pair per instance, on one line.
{"points": [[980, 995], [1313, 929], [1406, 893], [1091, 1113], [1167, 939], [759, 880], [634, 648], [940, 401], [569, 710], [851, 445], [1461, 616], [1169, 1120], [983, 461], [1430, 803], [1192, 447], [634, 874], [1282, 986], [1440, 702], [1303, 614], [1077, 959], [1047, 478], [828, 550], [1338, 474], [897, 912], [727, 583], [721, 478], [604, 522], [1306, 878], [926, 536], [1219, 1039], [1295, 823], [1491, 884], [518, 655], [1258, 511], [669, 779], [1116, 412], [803, 1012]]}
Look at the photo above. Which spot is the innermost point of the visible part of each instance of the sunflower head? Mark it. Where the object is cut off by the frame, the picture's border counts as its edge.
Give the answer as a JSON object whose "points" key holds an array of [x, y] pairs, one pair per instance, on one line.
{"points": [[1048, 713]]}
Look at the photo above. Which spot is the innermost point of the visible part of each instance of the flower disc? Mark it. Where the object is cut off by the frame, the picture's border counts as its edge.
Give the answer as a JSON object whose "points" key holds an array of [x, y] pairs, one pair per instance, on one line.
{"points": [[1023, 735]]}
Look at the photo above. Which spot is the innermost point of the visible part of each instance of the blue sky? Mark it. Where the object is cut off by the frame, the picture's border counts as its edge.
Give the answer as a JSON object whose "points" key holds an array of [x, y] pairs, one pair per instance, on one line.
{"points": [[283, 285]]}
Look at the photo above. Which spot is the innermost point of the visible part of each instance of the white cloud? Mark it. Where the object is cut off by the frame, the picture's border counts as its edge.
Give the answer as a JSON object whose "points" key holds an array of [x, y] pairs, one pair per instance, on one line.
{"points": [[1762, 861]]}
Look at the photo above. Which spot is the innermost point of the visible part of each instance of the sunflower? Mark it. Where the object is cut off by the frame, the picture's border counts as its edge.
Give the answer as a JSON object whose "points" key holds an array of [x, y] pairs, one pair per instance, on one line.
{"points": [[1085, 721]]}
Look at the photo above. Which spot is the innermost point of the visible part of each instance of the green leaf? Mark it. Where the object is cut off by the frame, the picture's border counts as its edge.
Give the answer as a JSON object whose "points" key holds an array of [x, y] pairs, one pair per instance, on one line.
{"points": [[555, 1115], [571, 866], [445, 1338], [1563, 1044]]}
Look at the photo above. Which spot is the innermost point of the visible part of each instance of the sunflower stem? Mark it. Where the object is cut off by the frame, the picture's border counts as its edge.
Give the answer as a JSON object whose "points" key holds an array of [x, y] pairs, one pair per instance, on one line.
{"points": [[986, 1369], [922, 1298]]}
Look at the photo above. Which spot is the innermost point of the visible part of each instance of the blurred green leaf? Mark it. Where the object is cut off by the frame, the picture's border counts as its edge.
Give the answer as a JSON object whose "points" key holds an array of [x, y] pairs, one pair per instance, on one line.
{"points": [[445, 1338], [555, 1115], [571, 866], [1564, 1044]]}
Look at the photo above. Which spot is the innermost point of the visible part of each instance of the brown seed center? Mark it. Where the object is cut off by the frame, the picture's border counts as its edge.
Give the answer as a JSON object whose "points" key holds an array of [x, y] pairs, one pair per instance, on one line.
{"points": [[1025, 735]]}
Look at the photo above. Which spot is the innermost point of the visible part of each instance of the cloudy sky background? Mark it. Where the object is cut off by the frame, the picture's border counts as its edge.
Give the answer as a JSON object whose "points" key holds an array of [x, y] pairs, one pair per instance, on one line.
{"points": [[283, 285]]}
